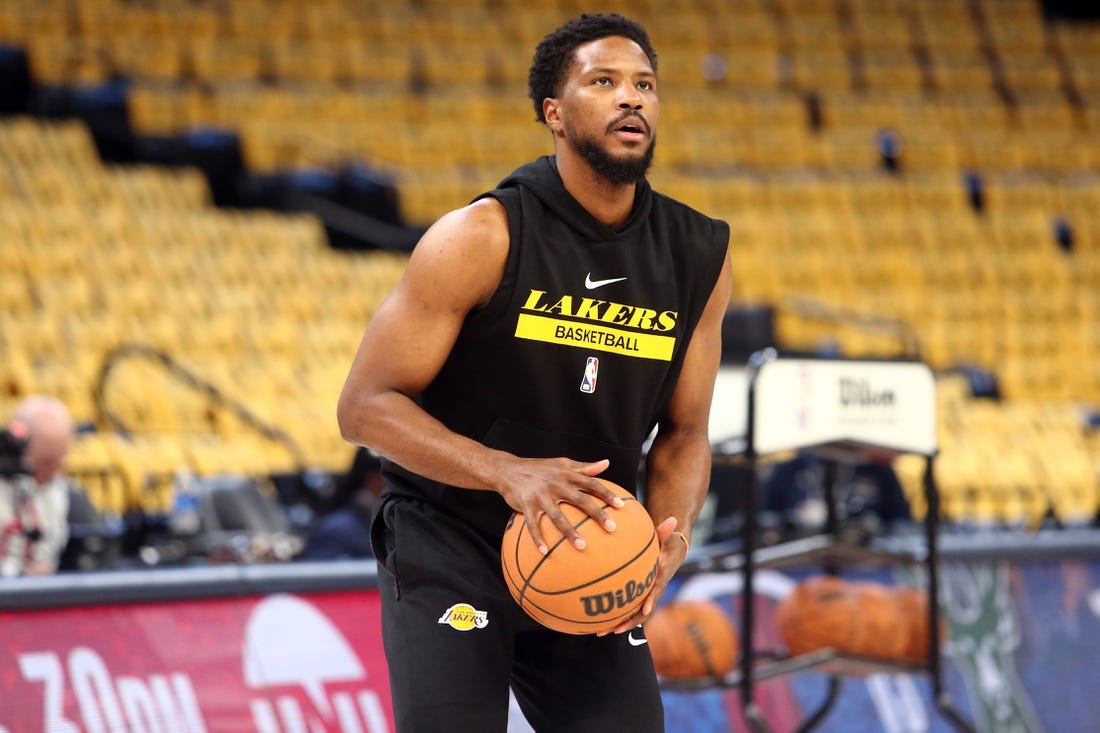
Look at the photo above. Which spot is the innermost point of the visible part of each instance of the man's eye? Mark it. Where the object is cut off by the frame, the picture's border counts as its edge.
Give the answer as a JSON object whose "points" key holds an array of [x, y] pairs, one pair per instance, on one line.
{"points": [[645, 85], [603, 81]]}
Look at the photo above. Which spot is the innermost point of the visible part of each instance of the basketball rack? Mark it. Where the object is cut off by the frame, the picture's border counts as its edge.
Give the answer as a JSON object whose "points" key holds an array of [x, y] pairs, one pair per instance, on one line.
{"points": [[845, 411]]}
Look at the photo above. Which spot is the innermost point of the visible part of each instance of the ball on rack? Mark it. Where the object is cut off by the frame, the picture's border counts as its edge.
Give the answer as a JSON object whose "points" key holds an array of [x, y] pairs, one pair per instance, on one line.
{"points": [[881, 632], [691, 638], [912, 608], [583, 591], [821, 612]]}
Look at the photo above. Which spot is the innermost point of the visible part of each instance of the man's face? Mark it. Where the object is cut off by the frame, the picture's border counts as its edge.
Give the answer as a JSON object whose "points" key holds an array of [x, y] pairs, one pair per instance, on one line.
{"points": [[608, 108], [45, 453]]}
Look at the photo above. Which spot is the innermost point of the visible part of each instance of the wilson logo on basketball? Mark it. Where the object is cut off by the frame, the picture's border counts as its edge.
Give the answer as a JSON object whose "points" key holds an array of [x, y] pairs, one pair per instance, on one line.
{"points": [[604, 603], [463, 617]]}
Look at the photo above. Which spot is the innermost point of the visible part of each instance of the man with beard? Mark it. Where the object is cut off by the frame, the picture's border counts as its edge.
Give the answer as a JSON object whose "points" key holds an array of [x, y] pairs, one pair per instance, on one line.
{"points": [[537, 338]]}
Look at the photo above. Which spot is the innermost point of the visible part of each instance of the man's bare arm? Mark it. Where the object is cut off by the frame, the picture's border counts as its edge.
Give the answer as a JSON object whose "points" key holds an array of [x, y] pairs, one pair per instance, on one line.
{"points": [[678, 462]]}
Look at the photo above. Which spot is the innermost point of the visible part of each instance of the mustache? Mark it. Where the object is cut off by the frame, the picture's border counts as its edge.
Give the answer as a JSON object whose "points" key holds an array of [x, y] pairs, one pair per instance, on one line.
{"points": [[635, 117]]}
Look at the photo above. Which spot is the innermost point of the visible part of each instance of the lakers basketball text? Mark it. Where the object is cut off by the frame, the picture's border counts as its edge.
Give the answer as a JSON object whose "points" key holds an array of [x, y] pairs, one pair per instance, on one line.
{"points": [[596, 337], [603, 603], [592, 323]]}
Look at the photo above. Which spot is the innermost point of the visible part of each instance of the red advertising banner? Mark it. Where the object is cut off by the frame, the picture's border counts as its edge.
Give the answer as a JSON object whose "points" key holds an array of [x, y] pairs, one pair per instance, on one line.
{"points": [[281, 663]]}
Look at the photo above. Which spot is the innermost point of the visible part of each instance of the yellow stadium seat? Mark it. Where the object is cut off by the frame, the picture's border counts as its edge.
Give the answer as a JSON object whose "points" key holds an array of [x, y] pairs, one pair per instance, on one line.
{"points": [[820, 69], [228, 60], [153, 58], [890, 68], [961, 69], [306, 61]]}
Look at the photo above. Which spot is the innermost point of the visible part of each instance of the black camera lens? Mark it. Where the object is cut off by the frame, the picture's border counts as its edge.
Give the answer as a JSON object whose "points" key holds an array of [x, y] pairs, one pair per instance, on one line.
{"points": [[11, 454]]}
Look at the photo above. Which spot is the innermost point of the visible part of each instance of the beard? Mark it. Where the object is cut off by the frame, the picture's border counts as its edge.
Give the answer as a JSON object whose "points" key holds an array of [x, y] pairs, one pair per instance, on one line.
{"points": [[617, 171]]}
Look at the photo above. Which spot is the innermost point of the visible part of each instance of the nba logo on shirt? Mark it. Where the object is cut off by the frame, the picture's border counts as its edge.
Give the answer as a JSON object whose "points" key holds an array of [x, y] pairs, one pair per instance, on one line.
{"points": [[588, 382]]}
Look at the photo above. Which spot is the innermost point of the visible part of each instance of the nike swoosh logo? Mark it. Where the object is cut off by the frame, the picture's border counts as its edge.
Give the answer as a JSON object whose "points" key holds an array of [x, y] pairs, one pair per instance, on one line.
{"points": [[593, 284], [636, 642]]}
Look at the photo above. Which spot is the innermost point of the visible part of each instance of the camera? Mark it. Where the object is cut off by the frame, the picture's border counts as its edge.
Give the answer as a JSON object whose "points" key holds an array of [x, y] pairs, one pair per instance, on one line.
{"points": [[12, 446]]}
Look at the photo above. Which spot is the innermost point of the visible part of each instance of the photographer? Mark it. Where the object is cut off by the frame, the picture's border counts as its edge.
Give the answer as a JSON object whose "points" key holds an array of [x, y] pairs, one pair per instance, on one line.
{"points": [[34, 495]]}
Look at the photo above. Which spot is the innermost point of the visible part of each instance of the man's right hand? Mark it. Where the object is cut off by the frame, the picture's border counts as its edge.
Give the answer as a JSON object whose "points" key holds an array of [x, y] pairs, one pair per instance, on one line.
{"points": [[535, 487]]}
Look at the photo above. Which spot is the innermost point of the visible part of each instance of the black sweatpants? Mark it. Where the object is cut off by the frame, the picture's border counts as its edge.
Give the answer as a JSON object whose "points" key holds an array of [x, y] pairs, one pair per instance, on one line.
{"points": [[455, 641]]}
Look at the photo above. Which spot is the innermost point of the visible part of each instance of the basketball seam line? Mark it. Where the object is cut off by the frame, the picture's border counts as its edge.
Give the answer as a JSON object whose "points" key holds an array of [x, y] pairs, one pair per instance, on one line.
{"points": [[544, 558], [605, 576]]}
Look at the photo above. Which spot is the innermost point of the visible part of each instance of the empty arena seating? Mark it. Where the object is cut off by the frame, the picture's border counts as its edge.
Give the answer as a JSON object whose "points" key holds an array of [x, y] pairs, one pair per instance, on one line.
{"points": [[256, 303], [773, 113]]}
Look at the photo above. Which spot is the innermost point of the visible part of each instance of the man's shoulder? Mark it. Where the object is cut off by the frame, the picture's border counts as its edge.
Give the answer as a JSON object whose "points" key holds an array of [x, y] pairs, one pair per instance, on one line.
{"points": [[481, 221], [462, 255]]}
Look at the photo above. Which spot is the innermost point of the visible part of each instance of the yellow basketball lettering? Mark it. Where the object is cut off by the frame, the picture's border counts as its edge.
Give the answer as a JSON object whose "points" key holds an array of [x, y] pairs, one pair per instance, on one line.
{"points": [[589, 309], [616, 313], [563, 306], [534, 299], [642, 318]]}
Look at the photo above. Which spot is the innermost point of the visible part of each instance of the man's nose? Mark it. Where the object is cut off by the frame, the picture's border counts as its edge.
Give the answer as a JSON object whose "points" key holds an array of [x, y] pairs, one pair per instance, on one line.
{"points": [[629, 97]]}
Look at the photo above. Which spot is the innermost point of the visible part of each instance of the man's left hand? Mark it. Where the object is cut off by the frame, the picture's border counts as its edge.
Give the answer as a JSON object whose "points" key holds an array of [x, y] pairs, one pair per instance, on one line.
{"points": [[673, 551]]}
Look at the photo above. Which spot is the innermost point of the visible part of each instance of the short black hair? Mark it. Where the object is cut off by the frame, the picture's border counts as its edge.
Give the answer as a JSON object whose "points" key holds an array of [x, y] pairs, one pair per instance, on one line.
{"points": [[554, 54]]}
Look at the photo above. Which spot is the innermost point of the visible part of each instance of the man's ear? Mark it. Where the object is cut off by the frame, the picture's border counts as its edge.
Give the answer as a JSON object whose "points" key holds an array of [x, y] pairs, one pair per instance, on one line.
{"points": [[551, 110]]}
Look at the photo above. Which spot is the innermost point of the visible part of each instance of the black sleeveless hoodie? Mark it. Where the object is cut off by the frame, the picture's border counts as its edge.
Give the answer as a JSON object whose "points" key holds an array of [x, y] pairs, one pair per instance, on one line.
{"points": [[577, 352]]}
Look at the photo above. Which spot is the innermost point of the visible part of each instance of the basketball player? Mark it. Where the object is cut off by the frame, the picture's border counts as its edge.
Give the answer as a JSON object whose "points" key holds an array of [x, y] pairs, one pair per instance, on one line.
{"points": [[536, 338]]}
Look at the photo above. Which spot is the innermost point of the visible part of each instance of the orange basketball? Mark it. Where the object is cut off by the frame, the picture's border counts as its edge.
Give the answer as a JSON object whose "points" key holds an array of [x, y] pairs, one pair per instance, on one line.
{"points": [[822, 611], [912, 608], [880, 630], [691, 639], [583, 591]]}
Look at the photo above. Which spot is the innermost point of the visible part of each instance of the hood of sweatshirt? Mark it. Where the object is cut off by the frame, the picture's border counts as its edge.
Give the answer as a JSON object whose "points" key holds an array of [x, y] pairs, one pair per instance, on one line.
{"points": [[540, 179]]}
